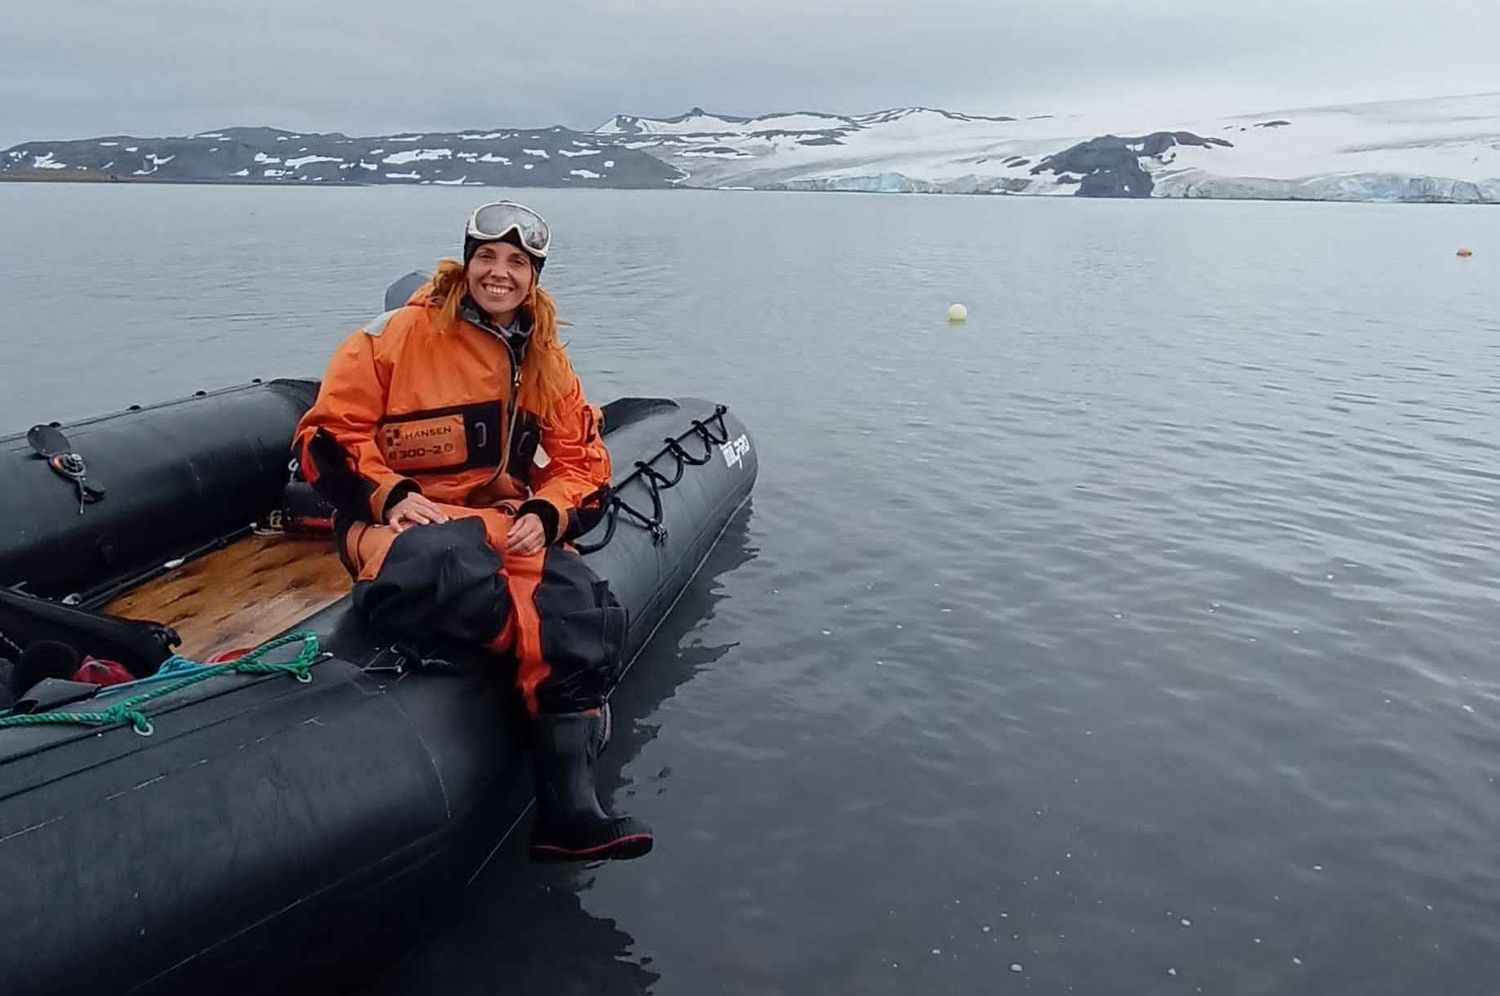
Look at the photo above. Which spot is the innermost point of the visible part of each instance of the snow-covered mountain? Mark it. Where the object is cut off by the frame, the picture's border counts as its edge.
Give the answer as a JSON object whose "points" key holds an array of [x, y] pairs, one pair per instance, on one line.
{"points": [[1439, 149], [516, 157], [1443, 149]]}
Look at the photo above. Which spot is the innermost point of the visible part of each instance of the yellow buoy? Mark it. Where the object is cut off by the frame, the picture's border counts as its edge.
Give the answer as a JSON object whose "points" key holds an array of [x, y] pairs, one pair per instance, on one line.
{"points": [[957, 313], [1466, 252]]}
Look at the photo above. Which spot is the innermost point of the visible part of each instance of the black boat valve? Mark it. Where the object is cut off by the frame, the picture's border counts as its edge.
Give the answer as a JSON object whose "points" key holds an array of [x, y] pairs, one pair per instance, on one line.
{"points": [[51, 444]]}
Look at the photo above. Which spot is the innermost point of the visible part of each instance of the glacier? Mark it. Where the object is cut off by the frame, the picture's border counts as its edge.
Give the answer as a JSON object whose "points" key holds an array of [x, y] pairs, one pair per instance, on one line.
{"points": [[1439, 149]]}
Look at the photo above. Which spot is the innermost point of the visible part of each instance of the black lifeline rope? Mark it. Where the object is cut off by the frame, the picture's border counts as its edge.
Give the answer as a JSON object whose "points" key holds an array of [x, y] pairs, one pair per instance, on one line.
{"points": [[657, 482]]}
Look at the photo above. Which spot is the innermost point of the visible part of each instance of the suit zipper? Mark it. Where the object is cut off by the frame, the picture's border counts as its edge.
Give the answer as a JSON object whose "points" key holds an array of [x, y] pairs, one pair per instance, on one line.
{"points": [[511, 407]]}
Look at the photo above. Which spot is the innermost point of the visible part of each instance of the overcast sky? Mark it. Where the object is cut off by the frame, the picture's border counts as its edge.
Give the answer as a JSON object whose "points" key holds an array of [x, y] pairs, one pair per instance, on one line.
{"points": [[84, 68]]}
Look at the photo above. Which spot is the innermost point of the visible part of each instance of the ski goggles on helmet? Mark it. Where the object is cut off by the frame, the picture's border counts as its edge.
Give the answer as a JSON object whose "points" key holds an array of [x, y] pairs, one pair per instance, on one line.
{"points": [[499, 218]]}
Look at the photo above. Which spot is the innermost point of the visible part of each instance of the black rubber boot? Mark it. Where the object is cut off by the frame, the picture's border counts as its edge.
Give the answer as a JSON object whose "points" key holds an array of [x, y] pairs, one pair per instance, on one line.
{"points": [[570, 823]]}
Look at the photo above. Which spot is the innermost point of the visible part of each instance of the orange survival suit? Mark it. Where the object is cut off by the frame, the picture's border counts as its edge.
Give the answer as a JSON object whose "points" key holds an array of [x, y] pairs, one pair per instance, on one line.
{"points": [[407, 405]]}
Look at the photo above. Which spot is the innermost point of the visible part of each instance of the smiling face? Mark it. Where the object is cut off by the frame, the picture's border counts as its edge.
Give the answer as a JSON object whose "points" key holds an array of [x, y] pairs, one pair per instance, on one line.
{"points": [[500, 277]]}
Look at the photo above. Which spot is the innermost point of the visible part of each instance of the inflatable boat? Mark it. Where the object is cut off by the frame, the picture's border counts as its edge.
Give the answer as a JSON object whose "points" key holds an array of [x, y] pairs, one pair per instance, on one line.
{"points": [[272, 772]]}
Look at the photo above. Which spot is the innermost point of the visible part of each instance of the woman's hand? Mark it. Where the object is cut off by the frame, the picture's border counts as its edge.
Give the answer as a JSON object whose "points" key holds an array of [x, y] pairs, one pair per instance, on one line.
{"points": [[526, 536], [414, 510]]}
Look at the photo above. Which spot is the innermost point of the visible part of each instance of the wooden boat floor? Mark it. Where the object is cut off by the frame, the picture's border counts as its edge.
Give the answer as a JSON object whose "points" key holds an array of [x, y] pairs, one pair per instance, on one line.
{"points": [[241, 595]]}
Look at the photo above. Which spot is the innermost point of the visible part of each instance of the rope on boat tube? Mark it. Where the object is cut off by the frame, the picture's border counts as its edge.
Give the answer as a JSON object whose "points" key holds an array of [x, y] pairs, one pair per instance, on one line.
{"points": [[126, 710], [657, 482]]}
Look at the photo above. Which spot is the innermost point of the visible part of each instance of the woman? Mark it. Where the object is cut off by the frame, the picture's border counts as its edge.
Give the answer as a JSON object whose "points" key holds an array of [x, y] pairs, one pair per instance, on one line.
{"points": [[453, 437]]}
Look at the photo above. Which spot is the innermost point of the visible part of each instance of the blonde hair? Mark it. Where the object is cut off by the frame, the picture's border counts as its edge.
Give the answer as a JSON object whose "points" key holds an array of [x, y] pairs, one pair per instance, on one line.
{"points": [[546, 373]]}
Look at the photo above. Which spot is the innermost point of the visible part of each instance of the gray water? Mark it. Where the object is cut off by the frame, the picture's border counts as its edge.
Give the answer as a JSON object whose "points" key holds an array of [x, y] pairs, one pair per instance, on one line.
{"points": [[1137, 636]]}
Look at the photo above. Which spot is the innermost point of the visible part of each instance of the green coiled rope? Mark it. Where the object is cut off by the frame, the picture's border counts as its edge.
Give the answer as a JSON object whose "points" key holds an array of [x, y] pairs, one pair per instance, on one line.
{"points": [[126, 711]]}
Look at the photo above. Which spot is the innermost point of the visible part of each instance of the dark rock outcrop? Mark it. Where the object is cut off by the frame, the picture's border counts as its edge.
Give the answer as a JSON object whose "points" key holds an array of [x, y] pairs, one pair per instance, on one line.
{"points": [[1110, 166]]}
